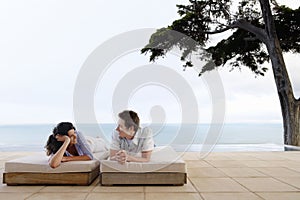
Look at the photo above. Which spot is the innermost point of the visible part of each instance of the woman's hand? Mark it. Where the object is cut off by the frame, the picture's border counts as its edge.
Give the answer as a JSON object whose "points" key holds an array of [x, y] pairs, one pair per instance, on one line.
{"points": [[62, 138], [65, 159]]}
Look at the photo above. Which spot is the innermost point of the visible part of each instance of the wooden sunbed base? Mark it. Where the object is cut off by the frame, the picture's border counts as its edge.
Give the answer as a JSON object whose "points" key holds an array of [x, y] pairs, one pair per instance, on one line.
{"points": [[151, 178], [68, 178]]}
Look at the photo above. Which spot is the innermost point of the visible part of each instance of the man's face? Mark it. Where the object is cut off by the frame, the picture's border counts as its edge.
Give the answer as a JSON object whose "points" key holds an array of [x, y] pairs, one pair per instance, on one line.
{"points": [[123, 131]]}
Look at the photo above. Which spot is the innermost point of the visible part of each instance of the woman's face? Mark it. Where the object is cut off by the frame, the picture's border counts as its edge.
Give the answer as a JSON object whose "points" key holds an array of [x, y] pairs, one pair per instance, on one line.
{"points": [[73, 136]]}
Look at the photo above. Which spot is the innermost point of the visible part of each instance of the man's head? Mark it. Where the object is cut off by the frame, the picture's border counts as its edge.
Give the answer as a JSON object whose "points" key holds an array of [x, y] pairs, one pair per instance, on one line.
{"points": [[128, 123]]}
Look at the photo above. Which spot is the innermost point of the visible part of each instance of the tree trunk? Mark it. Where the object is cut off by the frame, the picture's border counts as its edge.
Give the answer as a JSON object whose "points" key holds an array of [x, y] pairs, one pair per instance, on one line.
{"points": [[290, 107]]}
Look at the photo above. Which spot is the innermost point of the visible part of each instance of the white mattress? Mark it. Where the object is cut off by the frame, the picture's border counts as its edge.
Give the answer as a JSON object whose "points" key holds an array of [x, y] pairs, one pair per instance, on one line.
{"points": [[38, 163], [163, 159]]}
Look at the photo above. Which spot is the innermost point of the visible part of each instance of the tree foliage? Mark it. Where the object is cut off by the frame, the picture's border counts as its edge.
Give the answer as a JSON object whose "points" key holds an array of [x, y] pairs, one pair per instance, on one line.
{"points": [[201, 19]]}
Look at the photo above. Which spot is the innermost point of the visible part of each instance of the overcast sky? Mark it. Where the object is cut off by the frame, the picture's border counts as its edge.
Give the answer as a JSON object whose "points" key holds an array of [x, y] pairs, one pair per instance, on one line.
{"points": [[43, 45]]}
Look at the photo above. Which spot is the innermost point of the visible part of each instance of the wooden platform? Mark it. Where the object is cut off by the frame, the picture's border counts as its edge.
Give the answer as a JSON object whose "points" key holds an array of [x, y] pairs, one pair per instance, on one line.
{"points": [[70, 178], [150, 178]]}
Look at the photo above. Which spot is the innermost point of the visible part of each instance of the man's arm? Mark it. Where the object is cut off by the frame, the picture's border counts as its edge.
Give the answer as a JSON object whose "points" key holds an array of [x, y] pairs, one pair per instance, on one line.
{"points": [[146, 155], [113, 153], [122, 157]]}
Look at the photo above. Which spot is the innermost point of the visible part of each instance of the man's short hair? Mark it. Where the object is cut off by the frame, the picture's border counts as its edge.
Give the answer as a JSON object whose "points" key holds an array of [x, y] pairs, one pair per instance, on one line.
{"points": [[130, 118]]}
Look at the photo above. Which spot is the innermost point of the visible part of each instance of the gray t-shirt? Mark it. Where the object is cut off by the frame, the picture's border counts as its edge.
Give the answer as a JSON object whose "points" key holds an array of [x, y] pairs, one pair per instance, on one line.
{"points": [[142, 141]]}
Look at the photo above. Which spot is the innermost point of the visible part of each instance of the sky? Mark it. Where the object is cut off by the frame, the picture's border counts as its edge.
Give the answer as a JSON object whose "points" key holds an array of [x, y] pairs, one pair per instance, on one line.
{"points": [[44, 45]]}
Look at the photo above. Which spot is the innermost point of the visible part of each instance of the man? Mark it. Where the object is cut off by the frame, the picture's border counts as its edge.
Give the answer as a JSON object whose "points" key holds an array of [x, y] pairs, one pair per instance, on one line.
{"points": [[130, 143]]}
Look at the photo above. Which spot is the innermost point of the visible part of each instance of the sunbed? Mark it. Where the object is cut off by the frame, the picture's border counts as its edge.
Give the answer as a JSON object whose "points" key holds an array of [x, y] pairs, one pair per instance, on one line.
{"points": [[164, 168], [35, 170]]}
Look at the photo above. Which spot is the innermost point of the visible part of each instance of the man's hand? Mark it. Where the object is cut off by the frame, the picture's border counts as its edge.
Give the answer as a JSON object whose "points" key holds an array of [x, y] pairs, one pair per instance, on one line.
{"points": [[121, 156]]}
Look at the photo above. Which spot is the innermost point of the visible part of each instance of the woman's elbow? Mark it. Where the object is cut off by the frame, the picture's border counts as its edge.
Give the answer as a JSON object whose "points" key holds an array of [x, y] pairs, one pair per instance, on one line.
{"points": [[89, 157], [53, 165]]}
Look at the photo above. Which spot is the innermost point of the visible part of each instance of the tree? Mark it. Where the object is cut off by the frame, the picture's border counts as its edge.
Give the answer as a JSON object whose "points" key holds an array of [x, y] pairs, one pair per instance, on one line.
{"points": [[261, 32]]}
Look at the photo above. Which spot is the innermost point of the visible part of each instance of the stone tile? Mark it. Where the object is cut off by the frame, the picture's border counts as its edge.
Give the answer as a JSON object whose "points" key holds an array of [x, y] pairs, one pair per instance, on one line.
{"points": [[230, 196], [226, 163], [278, 172], [280, 195], [243, 156], [272, 163], [269, 156], [258, 163], [294, 168], [191, 156], [14, 196], [185, 188], [62, 189], [173, 196], [205, 172], [2, 164], [14, 155], [264, 184], [241, 172], [16, 189], [292, 155], [219, 157], [1, 172], [285, 163], [294, 181], [58, 196], [217, 185], [118, 189], [197, 164], [115, 196]]}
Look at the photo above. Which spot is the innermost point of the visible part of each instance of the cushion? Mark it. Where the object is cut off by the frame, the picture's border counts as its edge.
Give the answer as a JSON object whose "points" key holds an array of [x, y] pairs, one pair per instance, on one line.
{"points": [[163, 159], [98, 147], [96, 144], [39, 163]]}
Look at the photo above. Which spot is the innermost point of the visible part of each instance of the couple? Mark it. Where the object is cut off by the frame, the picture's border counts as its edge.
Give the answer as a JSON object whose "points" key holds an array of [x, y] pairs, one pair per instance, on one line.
{"points": [[128, 140]]}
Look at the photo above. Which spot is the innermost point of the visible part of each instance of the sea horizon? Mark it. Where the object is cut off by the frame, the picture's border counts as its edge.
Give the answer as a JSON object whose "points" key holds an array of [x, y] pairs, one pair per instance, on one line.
{"points": [[182, 137]]}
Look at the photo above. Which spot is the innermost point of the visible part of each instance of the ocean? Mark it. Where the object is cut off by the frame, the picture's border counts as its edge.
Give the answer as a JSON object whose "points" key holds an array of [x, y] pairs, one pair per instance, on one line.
{"points": [[186, 137]]}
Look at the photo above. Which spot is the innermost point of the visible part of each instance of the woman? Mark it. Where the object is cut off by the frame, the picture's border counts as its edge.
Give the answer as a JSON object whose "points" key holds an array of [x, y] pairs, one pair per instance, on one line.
{"points": [[67, 144]]}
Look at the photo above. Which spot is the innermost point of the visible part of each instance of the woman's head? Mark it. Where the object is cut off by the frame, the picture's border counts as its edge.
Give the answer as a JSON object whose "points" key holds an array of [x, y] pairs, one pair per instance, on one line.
{"points": [[63, 128]]}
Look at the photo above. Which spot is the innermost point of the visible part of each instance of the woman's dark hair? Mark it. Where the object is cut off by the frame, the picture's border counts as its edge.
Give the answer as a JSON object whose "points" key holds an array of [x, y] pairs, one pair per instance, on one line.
{"points": [[53, 145], [131, 118]]}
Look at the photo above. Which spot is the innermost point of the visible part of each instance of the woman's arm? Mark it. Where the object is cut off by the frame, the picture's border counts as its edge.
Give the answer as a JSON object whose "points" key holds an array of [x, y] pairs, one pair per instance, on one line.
{"points": [[56, 159], [75, 158]]}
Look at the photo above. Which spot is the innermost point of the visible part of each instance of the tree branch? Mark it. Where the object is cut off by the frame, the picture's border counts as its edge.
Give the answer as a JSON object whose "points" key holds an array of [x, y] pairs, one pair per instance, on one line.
{"points": [[243, 24], [218, 31], [251, 39], [258, 32], [274, 2]]}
